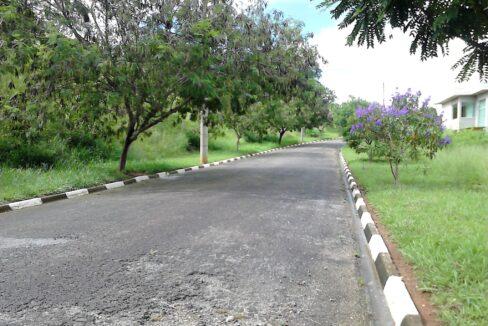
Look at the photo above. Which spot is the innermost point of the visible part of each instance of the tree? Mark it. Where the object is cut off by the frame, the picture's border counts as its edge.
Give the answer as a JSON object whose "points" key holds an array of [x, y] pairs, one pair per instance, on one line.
{"points": [[40, 75], [343, 114], [404, 130], [313, 103], [433, 24], [282, 66], [236, 118], [281, 117], [154, 54], [141, 62]]}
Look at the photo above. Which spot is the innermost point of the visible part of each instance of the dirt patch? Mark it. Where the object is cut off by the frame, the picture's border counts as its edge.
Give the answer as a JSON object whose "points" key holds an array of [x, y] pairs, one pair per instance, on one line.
{"points": [[421, 299]]}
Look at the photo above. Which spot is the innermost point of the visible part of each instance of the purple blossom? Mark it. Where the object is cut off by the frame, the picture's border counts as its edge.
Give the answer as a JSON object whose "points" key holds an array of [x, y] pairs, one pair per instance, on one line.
{"points": [[426, 102], [403, 111], [378, 122], [356, 127], [445, 141], [394, 111], [363, 112]]}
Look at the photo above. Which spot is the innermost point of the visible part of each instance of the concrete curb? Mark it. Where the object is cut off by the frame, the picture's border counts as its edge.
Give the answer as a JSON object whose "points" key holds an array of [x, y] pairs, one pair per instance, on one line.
{"points": [[399, 301], [117, 184]]}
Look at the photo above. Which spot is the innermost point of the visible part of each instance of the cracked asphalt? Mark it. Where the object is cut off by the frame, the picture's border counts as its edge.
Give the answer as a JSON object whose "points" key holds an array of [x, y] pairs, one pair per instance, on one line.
{"points": [[262, 241]]}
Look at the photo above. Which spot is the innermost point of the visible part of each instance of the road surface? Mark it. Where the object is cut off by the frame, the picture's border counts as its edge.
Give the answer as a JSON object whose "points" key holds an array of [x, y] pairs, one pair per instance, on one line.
{"points": [[266, 240]]}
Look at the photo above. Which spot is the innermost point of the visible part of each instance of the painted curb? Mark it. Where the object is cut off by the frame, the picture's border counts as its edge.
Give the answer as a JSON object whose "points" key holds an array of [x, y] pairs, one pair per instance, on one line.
{"points": [[117, 184], [400, 303]]}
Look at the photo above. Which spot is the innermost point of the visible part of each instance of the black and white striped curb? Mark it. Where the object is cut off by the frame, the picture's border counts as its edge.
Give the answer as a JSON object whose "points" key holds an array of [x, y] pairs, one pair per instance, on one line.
{"points": [[108, 186], [399, 302]]}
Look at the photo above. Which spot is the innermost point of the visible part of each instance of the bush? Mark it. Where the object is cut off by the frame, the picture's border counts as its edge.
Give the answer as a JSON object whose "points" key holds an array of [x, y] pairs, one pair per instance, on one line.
{"points": [[315, 133], [252, 137], [24, 155], [85, 147], [270, 138], [193, 137], [400, 131]]}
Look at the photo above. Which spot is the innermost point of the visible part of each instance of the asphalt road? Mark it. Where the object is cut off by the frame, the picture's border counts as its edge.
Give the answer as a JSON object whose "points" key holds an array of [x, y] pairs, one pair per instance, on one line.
{"points": [[263, 240]]}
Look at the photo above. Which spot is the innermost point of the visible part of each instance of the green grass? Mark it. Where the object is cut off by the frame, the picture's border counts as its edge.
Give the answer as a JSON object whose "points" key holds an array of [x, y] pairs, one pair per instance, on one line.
{"points": [[164, 150], [439, 219]]}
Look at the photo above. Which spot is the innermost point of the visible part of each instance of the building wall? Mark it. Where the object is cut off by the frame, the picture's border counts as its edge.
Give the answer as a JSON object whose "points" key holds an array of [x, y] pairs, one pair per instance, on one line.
{"points": [[472, 119], [447, 114]]}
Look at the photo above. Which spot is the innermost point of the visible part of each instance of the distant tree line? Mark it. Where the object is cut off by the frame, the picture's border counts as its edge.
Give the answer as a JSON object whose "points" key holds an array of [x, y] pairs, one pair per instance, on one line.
{"points": [[86, 71]]}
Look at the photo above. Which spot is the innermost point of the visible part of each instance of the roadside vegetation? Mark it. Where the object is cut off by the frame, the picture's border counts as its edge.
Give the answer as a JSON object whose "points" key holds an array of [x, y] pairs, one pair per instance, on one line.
{"points": [[84, 84], [438, 217], [167, 148]]}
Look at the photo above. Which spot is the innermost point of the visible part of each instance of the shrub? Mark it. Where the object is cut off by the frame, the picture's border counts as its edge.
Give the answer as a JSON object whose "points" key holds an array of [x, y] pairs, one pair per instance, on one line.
{"points": [[402, 130], [315, 133], [28, 155], [252, 137], [193, 140]]}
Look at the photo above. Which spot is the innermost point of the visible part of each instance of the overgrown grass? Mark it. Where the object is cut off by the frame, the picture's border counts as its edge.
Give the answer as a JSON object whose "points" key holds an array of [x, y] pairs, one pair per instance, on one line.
{"points": [[439, 219], [165, 149]]}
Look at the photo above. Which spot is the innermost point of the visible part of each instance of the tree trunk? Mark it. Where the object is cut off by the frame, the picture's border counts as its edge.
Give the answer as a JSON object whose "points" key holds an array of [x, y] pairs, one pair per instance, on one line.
{"points": [[394, 172], [302, 134], [370, 151], [125, 151], [238, 142], [282, 133]]}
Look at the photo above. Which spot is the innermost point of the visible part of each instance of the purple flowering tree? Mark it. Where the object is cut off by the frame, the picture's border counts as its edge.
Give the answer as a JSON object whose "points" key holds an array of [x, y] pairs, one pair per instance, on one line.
{"points": [[362, 135], [405, 129]]}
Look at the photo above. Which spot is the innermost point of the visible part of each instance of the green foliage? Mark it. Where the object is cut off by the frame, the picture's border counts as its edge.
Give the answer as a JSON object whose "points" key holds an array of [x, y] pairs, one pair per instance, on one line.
{"points": [[315, 133], [193, 140], [39, 101], [343, 114], [85, 74], [432, 24], [469, 137], [24, 155]]}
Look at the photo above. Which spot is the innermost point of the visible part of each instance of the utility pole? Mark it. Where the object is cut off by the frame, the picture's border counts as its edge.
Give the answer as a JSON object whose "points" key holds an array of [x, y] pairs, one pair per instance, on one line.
{"points": [[203, 136], [383, 93]]}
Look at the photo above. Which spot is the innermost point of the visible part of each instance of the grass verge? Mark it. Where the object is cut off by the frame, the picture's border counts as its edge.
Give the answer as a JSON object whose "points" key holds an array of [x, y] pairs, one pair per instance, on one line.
{"points": [[438, 218], [164, 150]]}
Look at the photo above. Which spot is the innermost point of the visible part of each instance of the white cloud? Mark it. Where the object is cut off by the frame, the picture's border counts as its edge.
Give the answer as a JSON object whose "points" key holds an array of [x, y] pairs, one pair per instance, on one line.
{"points": [[361, 72]]}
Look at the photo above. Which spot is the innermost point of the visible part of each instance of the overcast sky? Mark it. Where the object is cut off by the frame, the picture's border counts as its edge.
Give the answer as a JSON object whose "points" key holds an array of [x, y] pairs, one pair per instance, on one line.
{"points": [[361, 72]]}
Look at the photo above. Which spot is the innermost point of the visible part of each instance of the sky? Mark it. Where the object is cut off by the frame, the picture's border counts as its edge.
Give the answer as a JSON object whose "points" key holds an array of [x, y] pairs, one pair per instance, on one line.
{"points": [[362, 72]]}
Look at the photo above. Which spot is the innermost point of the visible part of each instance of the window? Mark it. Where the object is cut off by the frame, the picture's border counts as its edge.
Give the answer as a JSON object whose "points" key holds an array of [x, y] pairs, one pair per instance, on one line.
{"points": [[454, 111], [467, 109]]}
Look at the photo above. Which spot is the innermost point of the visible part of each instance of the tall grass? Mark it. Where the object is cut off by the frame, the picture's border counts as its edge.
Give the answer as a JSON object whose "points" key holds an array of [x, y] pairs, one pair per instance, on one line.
{"points": [[439, 219]]}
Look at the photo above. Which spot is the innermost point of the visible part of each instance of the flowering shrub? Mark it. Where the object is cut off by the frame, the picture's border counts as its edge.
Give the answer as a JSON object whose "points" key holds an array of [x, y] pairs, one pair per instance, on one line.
{"points": [[402, 130]]}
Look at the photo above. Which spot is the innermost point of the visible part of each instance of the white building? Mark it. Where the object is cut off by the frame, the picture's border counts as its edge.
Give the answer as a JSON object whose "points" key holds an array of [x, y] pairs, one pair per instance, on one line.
{"points": [[465, 110]]}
